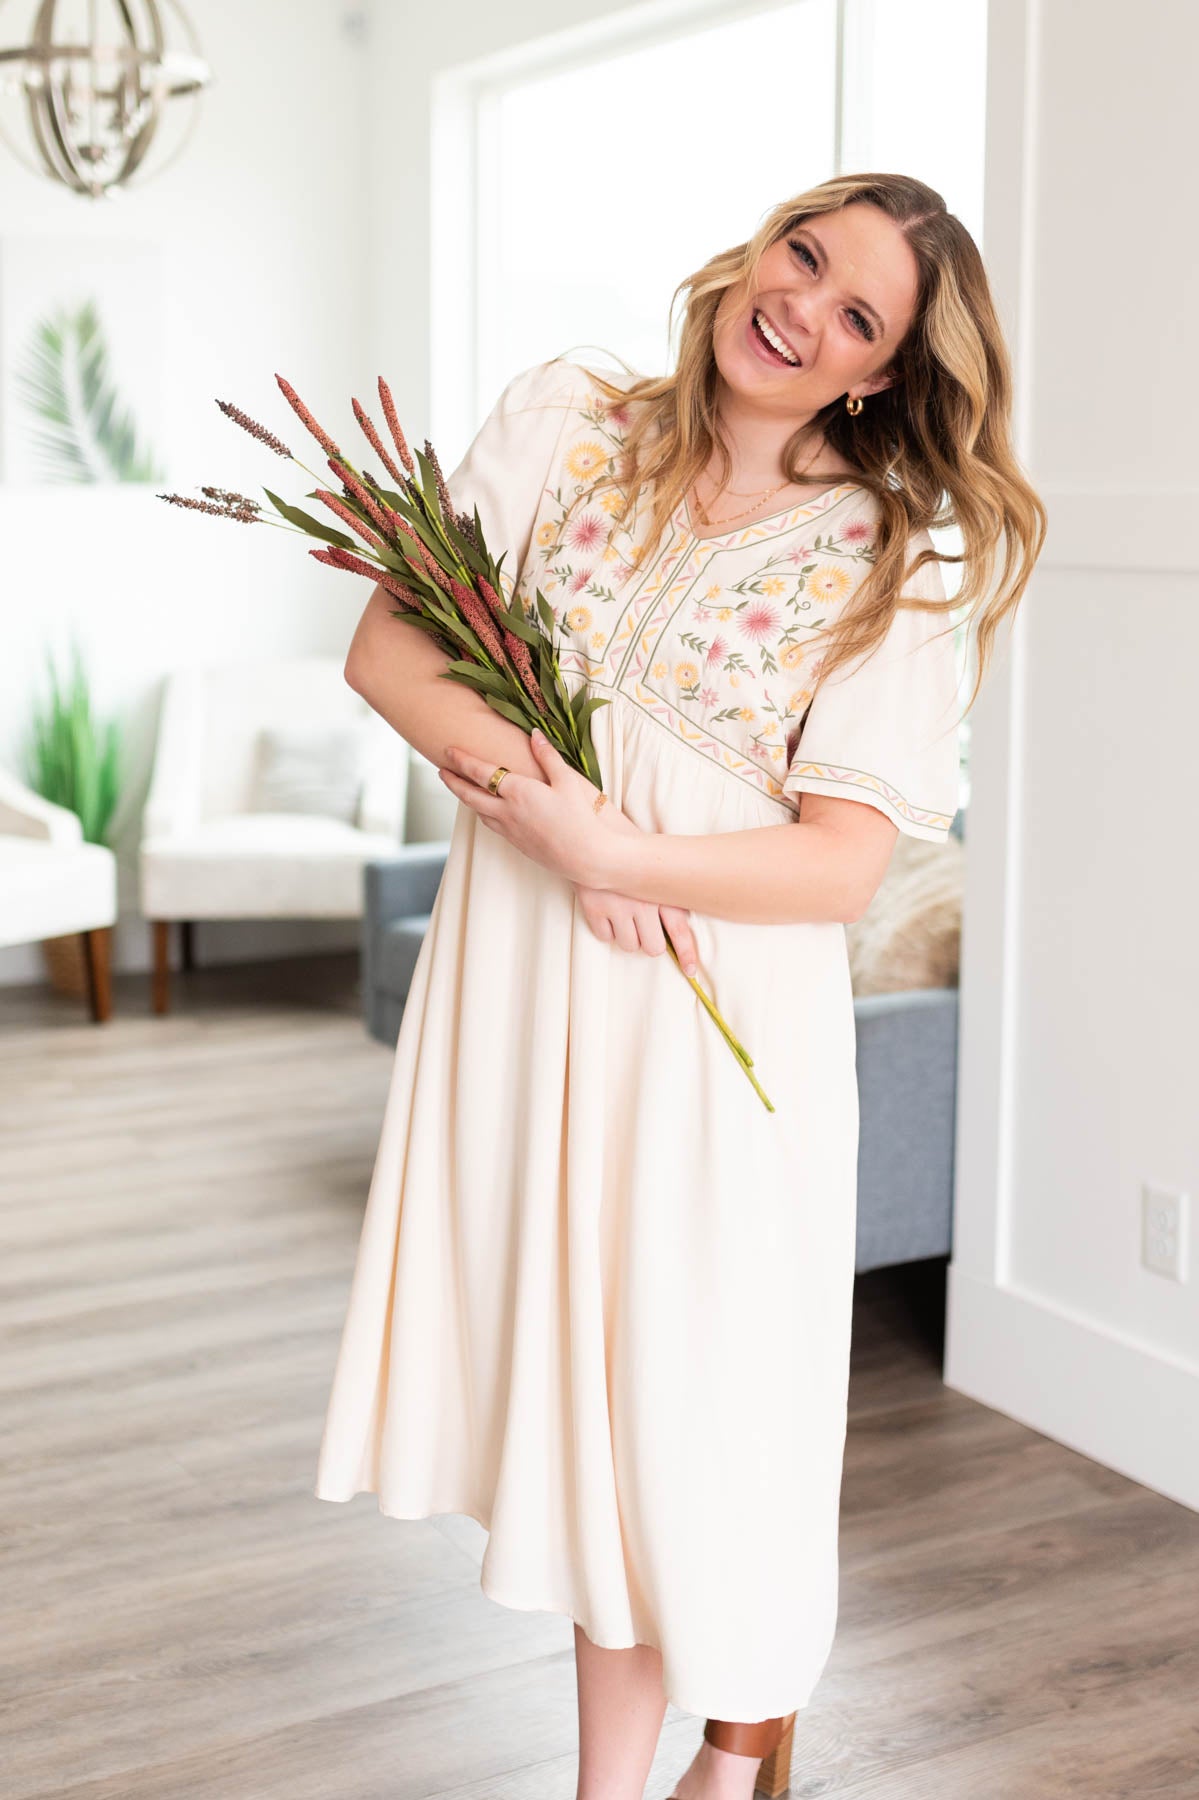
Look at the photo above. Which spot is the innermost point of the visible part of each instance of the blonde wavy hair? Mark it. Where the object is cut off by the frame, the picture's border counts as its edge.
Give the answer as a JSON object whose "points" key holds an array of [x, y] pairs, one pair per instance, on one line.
{"points": [[934, 448]]}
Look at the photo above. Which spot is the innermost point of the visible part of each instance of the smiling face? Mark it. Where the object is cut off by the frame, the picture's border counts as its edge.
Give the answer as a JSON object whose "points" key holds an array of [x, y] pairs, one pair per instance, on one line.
{"points": [[837, 295]]}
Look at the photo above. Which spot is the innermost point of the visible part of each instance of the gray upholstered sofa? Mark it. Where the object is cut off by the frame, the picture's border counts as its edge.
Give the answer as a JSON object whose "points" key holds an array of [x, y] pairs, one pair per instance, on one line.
{"points": [[907, 1065]]}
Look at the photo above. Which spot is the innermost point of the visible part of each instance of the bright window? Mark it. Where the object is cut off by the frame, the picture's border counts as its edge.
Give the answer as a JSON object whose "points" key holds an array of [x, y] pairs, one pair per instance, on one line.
{"points": [[604, 176], [612, 180], [601, 168]]}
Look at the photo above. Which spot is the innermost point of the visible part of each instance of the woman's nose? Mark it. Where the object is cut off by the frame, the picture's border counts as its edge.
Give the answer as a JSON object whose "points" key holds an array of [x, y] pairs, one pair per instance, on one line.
{"points": [[799, 319]]}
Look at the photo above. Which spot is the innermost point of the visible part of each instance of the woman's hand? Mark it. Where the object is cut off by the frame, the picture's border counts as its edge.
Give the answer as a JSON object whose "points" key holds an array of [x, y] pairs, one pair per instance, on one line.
{"points": [[555, 823], [636, 924]]}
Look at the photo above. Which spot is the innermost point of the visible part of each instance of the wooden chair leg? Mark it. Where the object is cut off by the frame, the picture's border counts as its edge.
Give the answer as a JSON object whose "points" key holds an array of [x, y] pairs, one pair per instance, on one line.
{"points": [[187, 947], [98, 963], [161, 983]]}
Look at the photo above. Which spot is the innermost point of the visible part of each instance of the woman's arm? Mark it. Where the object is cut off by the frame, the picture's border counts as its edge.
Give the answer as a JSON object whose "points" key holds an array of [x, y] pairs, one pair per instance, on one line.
{"points": [[826, 865], [397, 668]]}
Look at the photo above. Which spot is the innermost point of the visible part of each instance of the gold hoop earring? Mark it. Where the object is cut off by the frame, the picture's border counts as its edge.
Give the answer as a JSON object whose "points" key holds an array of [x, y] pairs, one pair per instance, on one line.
{"points": [[854, 405]]}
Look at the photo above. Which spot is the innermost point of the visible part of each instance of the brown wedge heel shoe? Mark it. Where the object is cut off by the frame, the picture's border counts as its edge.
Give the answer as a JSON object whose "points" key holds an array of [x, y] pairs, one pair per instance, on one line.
{"points": [[771, 1739]]}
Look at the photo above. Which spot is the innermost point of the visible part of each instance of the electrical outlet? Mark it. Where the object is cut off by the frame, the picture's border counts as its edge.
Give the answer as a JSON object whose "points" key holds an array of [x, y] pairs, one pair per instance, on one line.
{"points": [[1164, 1231]]}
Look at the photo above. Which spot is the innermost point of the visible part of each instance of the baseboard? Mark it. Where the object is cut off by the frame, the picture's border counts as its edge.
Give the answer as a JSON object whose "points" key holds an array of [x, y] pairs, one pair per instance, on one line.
{"points": [[1120, 1402]]}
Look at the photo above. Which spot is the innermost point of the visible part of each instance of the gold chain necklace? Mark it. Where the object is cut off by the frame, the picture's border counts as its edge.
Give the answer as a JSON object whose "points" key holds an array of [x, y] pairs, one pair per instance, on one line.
{"points": [[728, 518]]}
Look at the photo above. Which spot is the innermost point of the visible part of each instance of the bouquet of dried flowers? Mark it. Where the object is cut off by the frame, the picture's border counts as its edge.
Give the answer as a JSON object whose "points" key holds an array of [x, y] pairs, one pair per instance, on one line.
{"points": [[432, 559]]}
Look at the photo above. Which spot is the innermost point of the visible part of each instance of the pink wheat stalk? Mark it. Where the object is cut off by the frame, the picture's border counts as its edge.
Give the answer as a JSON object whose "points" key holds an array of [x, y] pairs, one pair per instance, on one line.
{"points": [[480, 622], [492, 598], [338, 558], [350, 518], [443, 492], [393, 425], [471, 607], [376, 442], [474, 612], [255, 429], [435, 569], [241, 515], [301, 411], [230, 497], [385, 520], [518, 650]]}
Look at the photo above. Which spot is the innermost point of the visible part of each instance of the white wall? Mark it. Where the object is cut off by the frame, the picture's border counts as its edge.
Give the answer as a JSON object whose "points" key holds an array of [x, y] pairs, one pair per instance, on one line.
{"points": [[262, 225], [1080, 1066]]}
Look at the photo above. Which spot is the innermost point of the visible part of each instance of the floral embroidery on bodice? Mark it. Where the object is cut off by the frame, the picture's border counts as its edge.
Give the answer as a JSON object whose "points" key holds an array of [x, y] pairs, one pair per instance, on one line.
{"points": [[719, 638]]}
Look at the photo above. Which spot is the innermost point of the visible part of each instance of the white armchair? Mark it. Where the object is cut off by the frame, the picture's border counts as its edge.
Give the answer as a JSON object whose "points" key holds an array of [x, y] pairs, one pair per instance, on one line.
{"points": [[53, 883], [208, 853]]}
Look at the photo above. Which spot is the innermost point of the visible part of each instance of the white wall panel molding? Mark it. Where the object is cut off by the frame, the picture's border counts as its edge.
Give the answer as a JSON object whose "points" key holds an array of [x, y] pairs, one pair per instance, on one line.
{"points": [[1124, 1403], [987, 1084]]}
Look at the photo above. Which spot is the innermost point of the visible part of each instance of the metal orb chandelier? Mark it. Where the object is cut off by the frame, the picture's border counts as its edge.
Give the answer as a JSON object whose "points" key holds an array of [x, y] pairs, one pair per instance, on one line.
{"points": [[95, 77]]}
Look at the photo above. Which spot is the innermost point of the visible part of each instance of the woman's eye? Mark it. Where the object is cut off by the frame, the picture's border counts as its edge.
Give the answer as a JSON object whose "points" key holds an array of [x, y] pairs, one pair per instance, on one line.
{"points": [[863, 327]]}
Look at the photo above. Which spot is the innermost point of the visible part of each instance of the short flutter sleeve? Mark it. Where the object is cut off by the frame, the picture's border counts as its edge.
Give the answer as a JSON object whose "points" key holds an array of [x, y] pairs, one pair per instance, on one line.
{"points": [[884, 728], [510, 458]]}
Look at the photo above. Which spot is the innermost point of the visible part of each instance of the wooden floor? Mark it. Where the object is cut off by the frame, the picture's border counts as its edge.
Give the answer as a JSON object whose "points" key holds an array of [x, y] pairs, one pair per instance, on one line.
{"points": [[185, 1621]]}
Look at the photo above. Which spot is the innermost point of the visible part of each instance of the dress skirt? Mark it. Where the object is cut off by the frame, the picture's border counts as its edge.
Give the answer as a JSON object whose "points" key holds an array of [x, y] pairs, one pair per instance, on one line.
{"points": [[602, 1296]]}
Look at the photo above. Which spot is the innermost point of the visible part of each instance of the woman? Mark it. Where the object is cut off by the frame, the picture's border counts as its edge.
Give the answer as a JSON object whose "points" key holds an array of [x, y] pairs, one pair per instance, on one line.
{"points": [[602, 1296]]}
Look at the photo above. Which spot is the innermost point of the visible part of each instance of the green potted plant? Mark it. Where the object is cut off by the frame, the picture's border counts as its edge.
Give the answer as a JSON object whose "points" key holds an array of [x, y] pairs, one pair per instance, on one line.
{"points": [[73, 760]]}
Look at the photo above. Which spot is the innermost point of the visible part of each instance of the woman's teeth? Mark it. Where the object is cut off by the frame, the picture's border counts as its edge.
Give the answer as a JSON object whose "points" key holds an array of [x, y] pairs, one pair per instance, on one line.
{"points": [[772, 337]]}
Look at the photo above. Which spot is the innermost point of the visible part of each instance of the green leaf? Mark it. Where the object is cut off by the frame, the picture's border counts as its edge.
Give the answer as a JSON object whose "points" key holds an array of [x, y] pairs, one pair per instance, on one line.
{"points": [[521, 627], [490, 680], [432, 628], [525, 720], [467, 553], [589, 706], [468, 674], [413, 572], [295, 515], [547, 617], [427, 533], [84, 434], [390, 498], [452, 622], [428, 479]]}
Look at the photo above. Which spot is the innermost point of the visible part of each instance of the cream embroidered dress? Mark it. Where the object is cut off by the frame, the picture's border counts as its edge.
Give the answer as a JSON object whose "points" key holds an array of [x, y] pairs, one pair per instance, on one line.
{"points": [[602, 1295]]}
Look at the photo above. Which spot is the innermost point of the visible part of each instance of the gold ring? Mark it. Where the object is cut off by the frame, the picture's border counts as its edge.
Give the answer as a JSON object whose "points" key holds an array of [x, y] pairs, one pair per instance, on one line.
{"points": [[497, 775]]}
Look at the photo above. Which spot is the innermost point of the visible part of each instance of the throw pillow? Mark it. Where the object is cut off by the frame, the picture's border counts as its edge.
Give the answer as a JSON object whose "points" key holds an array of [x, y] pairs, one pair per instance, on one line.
{"points": [[910, 934], [311, 769]]}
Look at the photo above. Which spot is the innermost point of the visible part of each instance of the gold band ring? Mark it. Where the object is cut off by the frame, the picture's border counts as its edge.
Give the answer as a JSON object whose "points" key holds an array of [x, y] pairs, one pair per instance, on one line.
{"points": [[497, 775]]}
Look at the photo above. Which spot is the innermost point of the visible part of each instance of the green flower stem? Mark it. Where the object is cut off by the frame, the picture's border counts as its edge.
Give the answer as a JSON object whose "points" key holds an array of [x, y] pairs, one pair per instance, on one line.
{"points": [[734, 1043]]}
